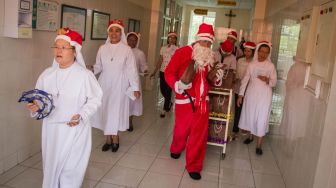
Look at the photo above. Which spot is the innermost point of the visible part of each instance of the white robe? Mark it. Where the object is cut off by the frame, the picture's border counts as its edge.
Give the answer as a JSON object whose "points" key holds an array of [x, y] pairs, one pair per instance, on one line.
{"points": [[118, 79], [66, 150], [136, 106], [258, 97]]}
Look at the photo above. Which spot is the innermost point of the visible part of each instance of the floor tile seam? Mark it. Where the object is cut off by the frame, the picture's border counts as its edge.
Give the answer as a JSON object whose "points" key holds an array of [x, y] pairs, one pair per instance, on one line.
{"points": [[254, 182], [108, 183], [95, 185], [277, 164], [33, 155], [227, 183], [29, 166], [181, 178], [99, 180], [245, 170], [10, 179], [156, 156], [219, 169]]}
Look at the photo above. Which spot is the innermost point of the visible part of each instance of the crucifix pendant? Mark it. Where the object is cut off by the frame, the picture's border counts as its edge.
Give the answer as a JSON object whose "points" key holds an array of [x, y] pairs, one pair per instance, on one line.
{"points": [[112, 59]]}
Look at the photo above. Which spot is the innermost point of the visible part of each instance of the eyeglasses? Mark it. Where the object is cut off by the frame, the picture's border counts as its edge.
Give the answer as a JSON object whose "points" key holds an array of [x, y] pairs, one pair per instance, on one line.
{"points": [[62, 48]]}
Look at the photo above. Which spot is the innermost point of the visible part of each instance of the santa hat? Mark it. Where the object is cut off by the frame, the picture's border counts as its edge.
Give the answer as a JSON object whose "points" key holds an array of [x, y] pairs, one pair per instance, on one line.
{"points": [[205, 32], [172, 34], [265, 42], [119, 24], [137, 36], [255, 57], [75, 40], [250, 45], [226, 47], [233, 34]]}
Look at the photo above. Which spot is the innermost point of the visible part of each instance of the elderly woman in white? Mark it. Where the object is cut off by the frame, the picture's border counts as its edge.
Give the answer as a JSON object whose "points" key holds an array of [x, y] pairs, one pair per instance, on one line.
{"points": [[119, 80], [66, 132]]}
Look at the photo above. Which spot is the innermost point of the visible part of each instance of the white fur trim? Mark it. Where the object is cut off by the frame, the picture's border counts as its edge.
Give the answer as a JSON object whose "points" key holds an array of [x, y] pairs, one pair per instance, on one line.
{"points": [[232, 36], [78, 47], [115, 25], [172, 34], [198, 38], [250, 47]]}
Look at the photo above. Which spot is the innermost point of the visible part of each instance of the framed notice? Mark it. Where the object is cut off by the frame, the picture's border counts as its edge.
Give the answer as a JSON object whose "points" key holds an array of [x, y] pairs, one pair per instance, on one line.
{"points": [[100, 22], [74, 18], [45, 15]]}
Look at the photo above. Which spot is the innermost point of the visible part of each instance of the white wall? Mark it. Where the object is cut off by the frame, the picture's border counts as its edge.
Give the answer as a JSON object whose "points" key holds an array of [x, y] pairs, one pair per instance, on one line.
{"points": [[304, 145], [241, 21], [22, 60]]}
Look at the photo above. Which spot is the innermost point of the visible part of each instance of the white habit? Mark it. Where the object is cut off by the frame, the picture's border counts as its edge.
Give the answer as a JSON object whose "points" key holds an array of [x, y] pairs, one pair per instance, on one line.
{"points": [[258, 97], [136, 106], [118, 79], [66, 150]]}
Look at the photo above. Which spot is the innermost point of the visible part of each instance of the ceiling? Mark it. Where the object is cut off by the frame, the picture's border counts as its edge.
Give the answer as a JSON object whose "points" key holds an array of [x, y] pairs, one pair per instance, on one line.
{"points": [[240, 4]]}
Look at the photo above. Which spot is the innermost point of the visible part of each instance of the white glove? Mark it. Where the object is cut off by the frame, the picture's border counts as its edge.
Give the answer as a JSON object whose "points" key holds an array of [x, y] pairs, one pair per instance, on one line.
{"points": [[219, 75], [180, 87]]}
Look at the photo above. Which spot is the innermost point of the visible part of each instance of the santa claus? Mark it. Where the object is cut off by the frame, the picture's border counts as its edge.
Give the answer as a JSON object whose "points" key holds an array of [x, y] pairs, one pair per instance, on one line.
{"points": [[187, 75]]}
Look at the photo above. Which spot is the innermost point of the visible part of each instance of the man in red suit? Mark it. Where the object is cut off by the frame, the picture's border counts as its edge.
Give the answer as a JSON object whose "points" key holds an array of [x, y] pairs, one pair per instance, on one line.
{"points": [[187, 75]]}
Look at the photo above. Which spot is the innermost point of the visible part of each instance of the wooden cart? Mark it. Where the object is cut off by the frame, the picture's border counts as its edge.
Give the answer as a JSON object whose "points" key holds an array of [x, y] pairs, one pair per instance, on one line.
{"points": [[220, 117]]}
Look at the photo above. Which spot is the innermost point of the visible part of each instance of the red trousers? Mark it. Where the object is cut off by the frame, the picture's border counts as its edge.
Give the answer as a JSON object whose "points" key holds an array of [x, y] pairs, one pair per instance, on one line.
{"points": [[190, 132]]}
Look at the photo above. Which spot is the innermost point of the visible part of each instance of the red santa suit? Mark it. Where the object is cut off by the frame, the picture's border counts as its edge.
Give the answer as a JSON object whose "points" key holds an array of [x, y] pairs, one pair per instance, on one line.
{"points": [[191, 128]]}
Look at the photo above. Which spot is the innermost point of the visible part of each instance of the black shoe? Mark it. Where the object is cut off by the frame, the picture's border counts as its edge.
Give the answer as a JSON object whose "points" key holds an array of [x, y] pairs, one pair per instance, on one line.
{"points": [[115, 147], [162, 115], [195, 175], [175, 156], [248, 140], [106, 147], [259, 151], [130, 129]]}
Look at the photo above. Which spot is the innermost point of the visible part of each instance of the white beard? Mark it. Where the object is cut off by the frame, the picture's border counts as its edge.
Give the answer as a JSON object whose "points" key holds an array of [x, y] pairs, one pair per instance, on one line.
{"points": [[203, 57]]}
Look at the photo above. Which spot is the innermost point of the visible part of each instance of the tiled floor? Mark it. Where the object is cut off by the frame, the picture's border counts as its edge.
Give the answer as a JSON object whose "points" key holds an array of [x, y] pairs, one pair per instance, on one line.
{"points": [[143, 161]]}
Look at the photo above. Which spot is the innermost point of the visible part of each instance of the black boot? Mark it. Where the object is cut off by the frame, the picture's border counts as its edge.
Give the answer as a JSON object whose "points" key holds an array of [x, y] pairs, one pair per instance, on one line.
{"points": [[248, 140], [175, 156], [195, 175], [115, 147], [106, 147], [259, 151], [130, 129]]}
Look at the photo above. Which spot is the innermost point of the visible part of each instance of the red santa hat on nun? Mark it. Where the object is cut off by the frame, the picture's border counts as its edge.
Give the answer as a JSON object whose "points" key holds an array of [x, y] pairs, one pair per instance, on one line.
{"points": [[233, 34], [250, 45], [75, 40], [137, 35], [119, 24], [226, 47], [205, 32], [172, 34]]}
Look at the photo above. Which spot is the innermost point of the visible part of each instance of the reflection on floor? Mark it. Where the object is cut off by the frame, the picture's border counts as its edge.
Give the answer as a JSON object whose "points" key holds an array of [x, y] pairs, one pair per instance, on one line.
{"points": [[143, 161]]}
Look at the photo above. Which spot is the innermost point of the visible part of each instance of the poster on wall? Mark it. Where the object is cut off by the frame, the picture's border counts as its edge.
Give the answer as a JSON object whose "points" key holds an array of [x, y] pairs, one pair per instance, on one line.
{"points": [[45, 15], [100, 21], [74, 18]]}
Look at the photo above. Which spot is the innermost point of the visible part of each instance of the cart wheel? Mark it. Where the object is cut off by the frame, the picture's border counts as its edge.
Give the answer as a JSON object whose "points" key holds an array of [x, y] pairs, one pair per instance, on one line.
{"points": [[223, 156]]}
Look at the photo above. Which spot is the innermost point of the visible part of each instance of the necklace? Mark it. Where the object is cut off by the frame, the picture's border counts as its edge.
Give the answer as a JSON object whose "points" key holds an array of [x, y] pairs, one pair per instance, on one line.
{"points": [[218, 127], [220, 102], [58, 88]]}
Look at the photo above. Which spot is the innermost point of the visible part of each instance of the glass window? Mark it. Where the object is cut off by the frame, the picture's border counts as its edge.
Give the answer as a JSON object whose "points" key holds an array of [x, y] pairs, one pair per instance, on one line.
{"points": [[196, 21]]}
